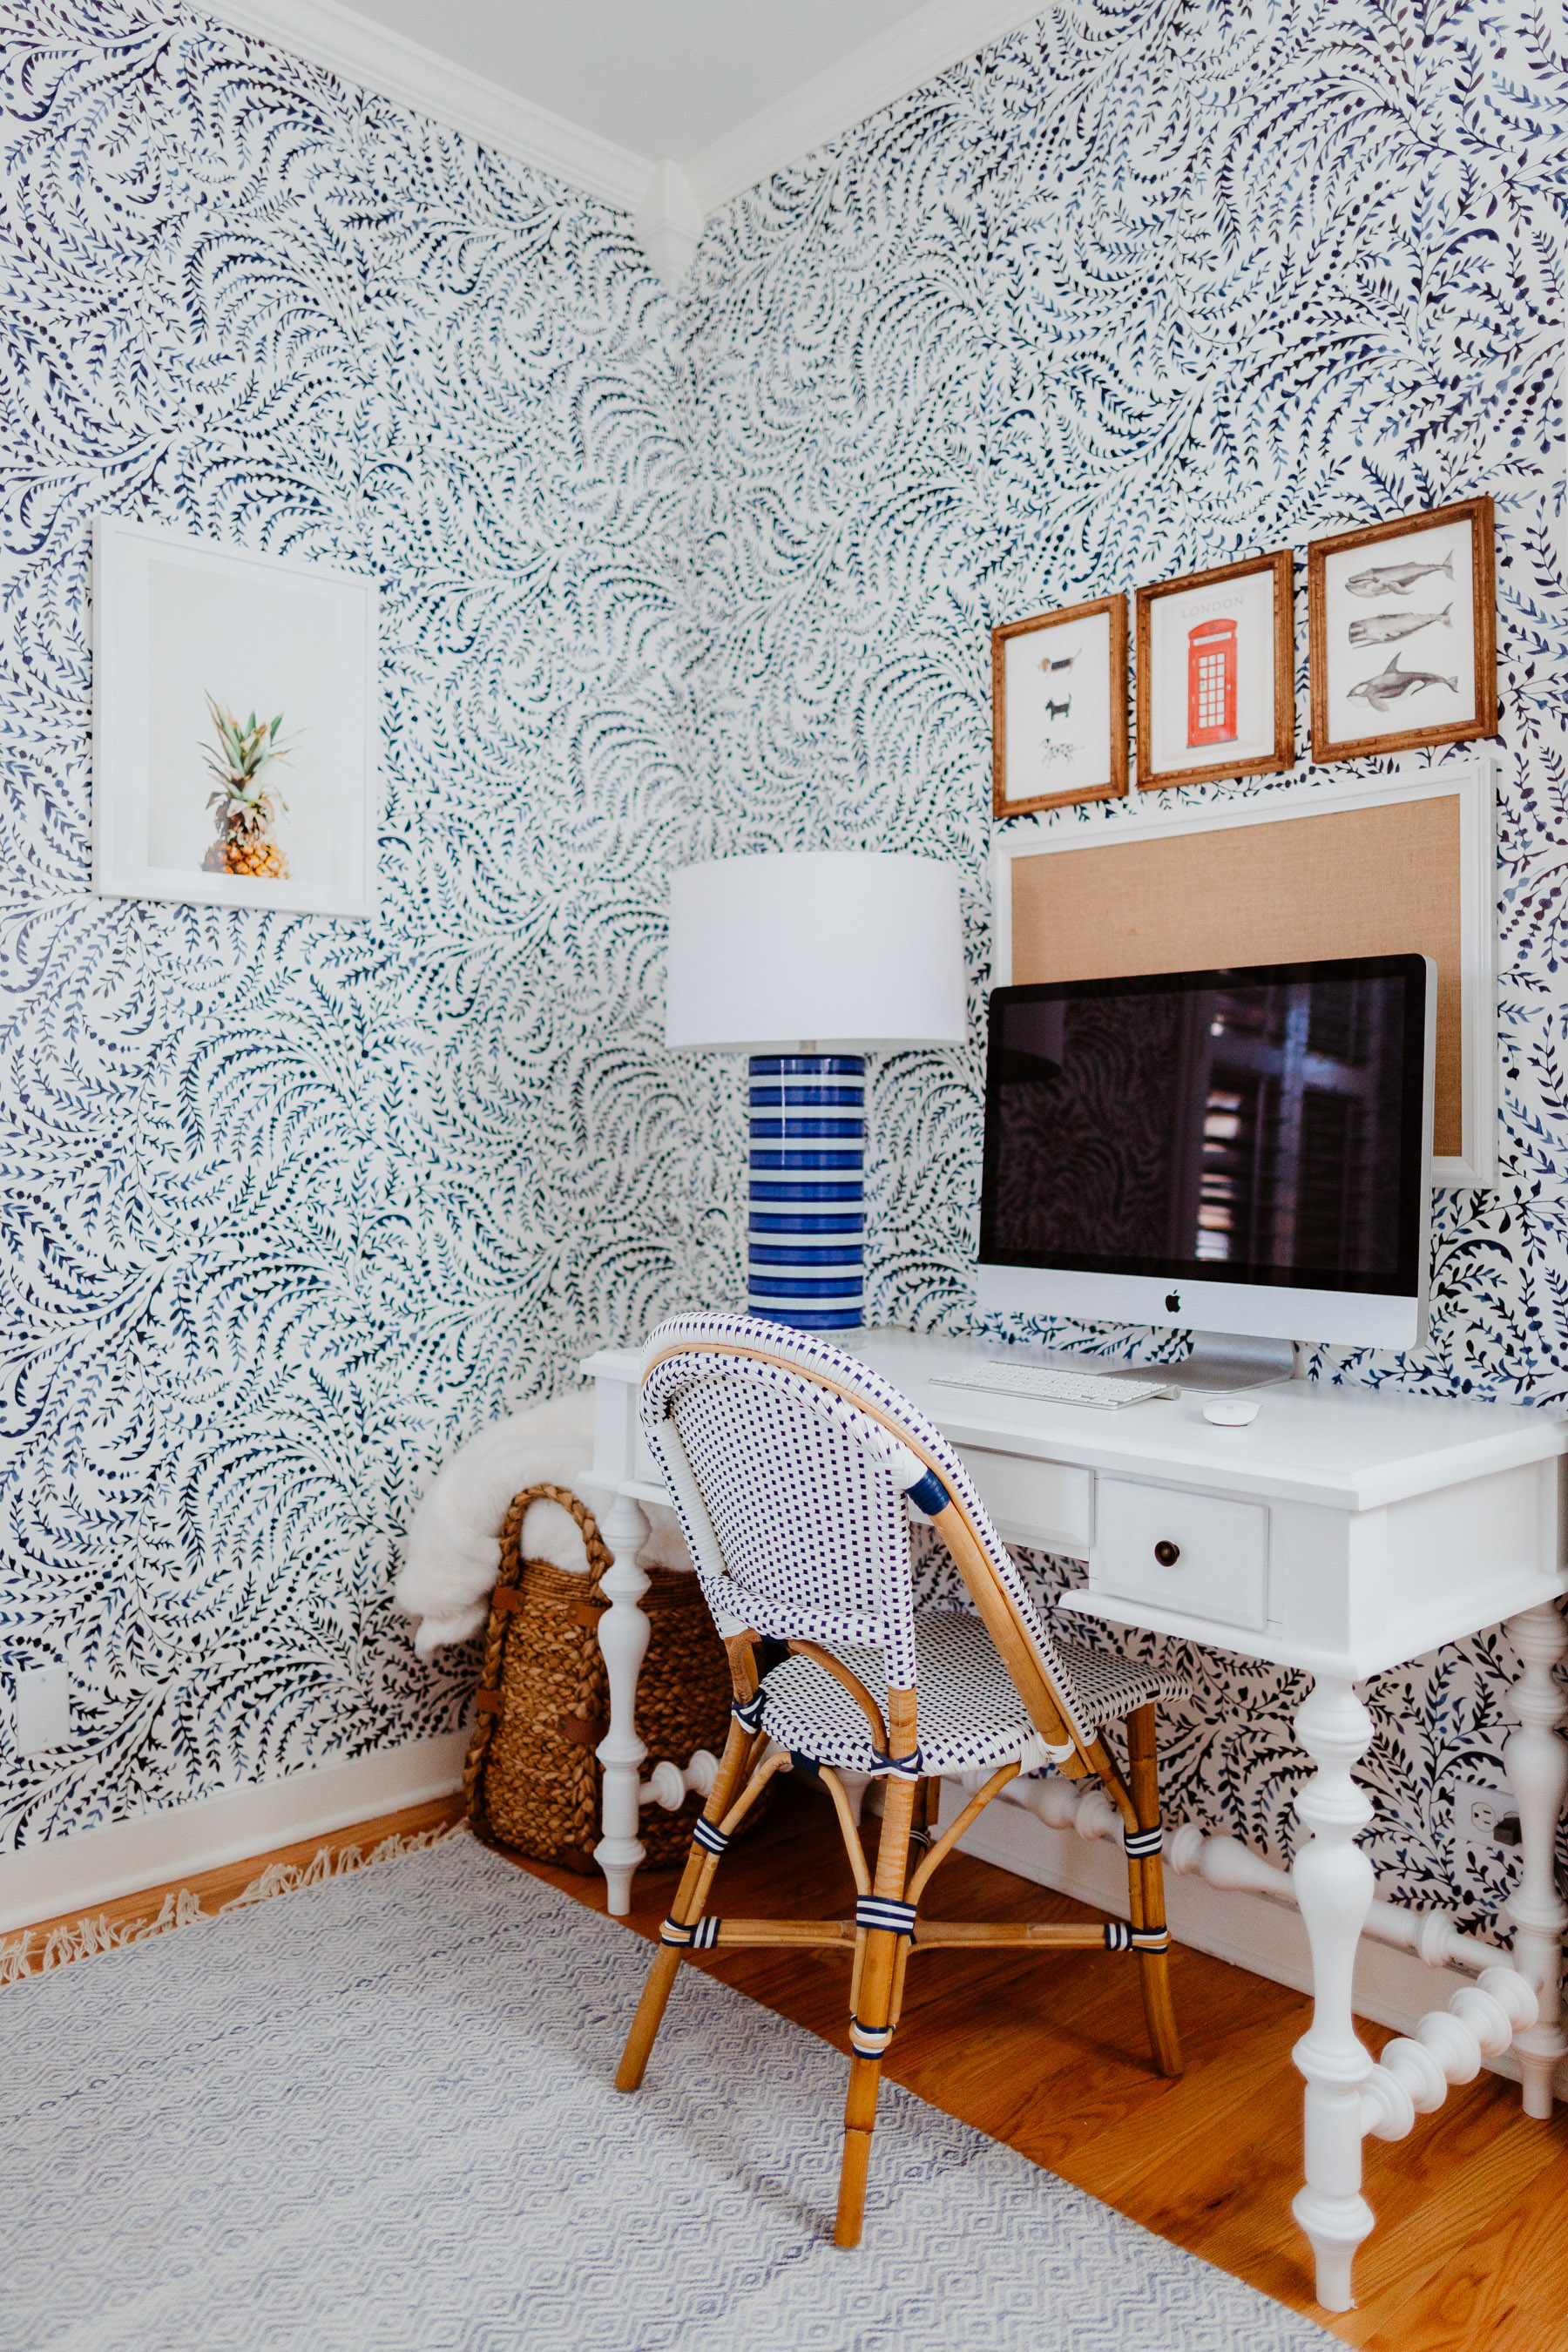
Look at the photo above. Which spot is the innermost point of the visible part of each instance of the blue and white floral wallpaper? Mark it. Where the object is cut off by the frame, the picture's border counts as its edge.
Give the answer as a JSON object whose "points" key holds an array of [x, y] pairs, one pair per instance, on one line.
{"points": [[1149, 286], [289, 1205]]}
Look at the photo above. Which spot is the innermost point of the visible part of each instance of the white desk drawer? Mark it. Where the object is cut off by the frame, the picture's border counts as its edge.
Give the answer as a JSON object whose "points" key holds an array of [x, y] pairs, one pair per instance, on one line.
{"points": [[1049, 1505], [1192, 1553]]}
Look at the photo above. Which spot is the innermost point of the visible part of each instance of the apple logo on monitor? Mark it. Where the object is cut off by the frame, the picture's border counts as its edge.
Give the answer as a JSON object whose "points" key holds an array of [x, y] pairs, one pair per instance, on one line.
{"points": [[1173, 1302]]}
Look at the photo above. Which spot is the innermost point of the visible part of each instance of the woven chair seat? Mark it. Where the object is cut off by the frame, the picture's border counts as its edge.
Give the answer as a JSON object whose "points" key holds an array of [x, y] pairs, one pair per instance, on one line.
{"points": [[971, 1713], [797, 1473]]}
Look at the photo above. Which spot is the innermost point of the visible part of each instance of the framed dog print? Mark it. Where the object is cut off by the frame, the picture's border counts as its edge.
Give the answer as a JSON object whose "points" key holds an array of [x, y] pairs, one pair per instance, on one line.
{"points": [[1402, 620], [1215, 673], [1058, 708]]}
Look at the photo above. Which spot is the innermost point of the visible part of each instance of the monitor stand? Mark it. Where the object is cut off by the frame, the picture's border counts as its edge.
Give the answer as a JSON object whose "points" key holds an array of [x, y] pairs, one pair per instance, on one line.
{"points": [[1224, 1359]]}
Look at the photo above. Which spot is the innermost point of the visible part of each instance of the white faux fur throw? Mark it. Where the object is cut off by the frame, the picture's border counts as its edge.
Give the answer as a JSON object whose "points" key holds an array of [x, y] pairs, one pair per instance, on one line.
{"points": [[453, 1538]]}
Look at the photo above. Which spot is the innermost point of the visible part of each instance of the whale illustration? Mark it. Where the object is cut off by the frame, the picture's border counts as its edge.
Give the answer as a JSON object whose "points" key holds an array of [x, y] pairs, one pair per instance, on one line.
{"points": [[1381, 627], [1394, 684], [1394, 579]]}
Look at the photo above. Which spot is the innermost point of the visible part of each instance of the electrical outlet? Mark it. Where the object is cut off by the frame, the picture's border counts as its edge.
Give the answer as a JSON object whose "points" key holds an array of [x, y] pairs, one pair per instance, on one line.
{"points": [[1486, 1821], [42, 1716]]}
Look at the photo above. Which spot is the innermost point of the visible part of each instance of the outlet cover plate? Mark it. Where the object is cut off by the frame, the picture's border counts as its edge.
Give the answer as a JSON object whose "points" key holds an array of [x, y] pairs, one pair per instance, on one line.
{"points": [[42, 1714], [1477, 1812]]}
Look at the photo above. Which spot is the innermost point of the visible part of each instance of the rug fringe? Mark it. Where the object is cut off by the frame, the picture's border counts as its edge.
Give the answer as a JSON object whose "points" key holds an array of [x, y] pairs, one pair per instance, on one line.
{"points": [[22, 1957]]}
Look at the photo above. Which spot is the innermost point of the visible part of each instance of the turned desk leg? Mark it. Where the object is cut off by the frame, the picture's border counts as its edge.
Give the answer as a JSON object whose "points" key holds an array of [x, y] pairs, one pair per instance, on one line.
{"points": [[1536, 1762], [1333, 1885], [623, 1638]]}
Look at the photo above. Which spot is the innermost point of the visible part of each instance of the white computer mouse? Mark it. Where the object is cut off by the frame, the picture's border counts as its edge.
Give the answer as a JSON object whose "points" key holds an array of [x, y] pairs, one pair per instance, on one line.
{"points": [[1230, 1412]]}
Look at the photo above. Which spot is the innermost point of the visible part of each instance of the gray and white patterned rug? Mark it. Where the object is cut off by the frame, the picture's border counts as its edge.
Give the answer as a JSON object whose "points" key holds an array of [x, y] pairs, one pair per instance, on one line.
{"points": [[378, 2114]]}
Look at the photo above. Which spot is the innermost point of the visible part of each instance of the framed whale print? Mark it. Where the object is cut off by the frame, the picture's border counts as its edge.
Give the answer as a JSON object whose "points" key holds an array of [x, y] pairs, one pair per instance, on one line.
{"points": [[1058, 708], [1403, 621], [1216, 686]]}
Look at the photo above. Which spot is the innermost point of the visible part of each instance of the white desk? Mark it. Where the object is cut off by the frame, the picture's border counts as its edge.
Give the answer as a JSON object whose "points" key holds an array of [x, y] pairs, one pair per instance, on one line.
{"points": [[1344, 1531]]}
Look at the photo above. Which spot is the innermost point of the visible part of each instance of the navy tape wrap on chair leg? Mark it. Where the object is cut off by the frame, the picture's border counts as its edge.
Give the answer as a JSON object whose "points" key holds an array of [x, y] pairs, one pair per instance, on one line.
{"points": [[1140, 1842], [709, 1835], [700, 1937], [1121, 1937], [886, 1911], [869, 2040], [748, 1713], [897, 1768]]}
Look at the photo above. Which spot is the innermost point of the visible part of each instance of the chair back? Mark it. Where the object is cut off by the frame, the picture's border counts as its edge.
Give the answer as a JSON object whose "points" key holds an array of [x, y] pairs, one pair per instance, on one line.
{"points": [[793, 1469]]}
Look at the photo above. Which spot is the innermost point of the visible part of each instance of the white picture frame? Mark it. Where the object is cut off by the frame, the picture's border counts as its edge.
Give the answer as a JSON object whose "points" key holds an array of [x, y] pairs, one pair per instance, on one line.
{"points": [[1471, 784], [175, 618]]}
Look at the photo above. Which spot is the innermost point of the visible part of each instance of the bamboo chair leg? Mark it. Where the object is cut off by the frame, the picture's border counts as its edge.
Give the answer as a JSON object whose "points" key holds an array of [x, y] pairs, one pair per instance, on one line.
{"points": [[873, 2014], [1146, 1892], [687, 1907]]}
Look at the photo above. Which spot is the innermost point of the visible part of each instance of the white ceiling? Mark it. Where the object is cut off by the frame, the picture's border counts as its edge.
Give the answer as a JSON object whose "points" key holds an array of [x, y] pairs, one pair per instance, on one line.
{"points": [[660, 77]]}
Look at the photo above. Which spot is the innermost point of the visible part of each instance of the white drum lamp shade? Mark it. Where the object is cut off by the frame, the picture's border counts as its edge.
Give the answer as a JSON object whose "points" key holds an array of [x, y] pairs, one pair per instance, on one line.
{"points": [[816, 948], [804, 961]]}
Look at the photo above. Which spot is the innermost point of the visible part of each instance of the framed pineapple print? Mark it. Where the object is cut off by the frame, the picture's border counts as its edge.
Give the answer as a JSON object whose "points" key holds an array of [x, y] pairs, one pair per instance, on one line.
{"points": [[234, 725], [1216, 687]]}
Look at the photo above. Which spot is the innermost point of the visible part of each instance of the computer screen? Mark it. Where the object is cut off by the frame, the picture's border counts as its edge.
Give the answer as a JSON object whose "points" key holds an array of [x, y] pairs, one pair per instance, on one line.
{"points": [[1257, 1127]]}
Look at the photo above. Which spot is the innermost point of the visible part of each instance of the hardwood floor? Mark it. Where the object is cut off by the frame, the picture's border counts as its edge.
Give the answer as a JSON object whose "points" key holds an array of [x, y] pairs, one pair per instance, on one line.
{"points": [[1471, 2253]]}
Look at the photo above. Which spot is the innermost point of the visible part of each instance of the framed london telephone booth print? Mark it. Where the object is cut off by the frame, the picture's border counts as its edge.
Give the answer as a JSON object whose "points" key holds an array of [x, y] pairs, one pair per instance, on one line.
{"points": [[1216, 655]]}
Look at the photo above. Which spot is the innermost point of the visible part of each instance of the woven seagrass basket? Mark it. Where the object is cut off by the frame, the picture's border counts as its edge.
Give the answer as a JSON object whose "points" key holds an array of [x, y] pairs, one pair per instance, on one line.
{"points": [[532, 1780]]}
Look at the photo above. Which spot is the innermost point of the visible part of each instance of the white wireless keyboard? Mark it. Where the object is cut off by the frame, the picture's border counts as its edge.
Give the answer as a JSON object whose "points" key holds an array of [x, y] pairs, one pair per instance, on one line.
{"points": [[1049, 1386]]}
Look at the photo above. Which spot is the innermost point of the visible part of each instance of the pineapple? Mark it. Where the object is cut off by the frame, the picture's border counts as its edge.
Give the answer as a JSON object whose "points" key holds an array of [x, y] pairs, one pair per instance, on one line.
{"points": [[247, 802]]}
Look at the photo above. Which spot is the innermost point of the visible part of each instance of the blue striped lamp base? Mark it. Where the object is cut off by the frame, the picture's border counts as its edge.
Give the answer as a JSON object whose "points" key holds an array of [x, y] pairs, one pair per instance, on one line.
{"points": [[805, 1257]]}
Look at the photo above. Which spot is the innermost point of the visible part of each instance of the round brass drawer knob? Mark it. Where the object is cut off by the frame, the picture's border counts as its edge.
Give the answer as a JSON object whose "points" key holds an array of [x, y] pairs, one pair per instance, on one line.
{"points": [[1167, 1554]]}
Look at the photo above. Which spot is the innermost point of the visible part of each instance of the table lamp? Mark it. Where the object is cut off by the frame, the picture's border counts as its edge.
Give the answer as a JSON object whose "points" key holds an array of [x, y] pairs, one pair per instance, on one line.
{"points": [[804, 960]]}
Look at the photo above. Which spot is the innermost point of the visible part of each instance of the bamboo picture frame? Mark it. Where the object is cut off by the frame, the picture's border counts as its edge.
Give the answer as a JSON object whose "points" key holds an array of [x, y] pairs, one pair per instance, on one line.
{"points": [[1080, 657], [1363, 619], [1226, 637]]}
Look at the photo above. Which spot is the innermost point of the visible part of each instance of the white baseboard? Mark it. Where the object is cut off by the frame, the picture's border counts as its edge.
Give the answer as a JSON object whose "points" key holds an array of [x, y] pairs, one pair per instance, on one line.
{"points": [[72, 1873], [1393, 1987]]}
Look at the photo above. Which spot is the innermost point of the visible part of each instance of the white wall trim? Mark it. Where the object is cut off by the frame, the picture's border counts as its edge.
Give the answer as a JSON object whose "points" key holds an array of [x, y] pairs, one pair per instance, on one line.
{"points": [[72, 1873], [1393, 1987], [377, 58], [887, 66]]}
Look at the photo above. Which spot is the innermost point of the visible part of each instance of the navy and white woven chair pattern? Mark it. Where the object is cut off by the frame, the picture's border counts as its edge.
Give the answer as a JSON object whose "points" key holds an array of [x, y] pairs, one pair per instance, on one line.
{"points": [[796, 1471]]}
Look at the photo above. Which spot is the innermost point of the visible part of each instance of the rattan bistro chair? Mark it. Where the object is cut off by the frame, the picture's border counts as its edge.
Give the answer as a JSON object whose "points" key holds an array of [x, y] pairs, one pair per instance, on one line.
{"points": [[793, 1469]]}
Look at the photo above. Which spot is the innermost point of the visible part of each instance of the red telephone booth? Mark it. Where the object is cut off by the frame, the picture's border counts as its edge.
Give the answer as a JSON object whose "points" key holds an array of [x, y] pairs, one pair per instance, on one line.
{"points": [[1211, 683]]}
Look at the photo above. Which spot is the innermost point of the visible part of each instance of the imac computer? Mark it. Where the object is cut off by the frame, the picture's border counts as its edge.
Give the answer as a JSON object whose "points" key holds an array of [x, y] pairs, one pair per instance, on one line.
{"points": [[1245, 1154]]}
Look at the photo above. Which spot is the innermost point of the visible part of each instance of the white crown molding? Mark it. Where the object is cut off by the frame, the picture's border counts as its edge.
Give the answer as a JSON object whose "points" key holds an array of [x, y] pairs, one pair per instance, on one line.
{"points": [[380, 59], [669, 222], [669, 200], [887, 66]]}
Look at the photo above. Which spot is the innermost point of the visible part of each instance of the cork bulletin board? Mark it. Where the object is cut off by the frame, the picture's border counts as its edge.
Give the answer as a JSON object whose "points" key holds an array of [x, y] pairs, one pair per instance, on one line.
{"points": [[1405, 867]]}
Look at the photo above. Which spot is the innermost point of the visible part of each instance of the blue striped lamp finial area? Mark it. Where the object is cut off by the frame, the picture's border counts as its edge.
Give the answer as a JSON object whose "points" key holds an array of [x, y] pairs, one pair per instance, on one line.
{"points": [[805, 1257]]}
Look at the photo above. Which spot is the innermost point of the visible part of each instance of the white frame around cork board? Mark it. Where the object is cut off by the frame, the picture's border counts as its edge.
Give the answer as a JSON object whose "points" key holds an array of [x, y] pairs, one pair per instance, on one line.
{"points": [[1298, 872]]}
